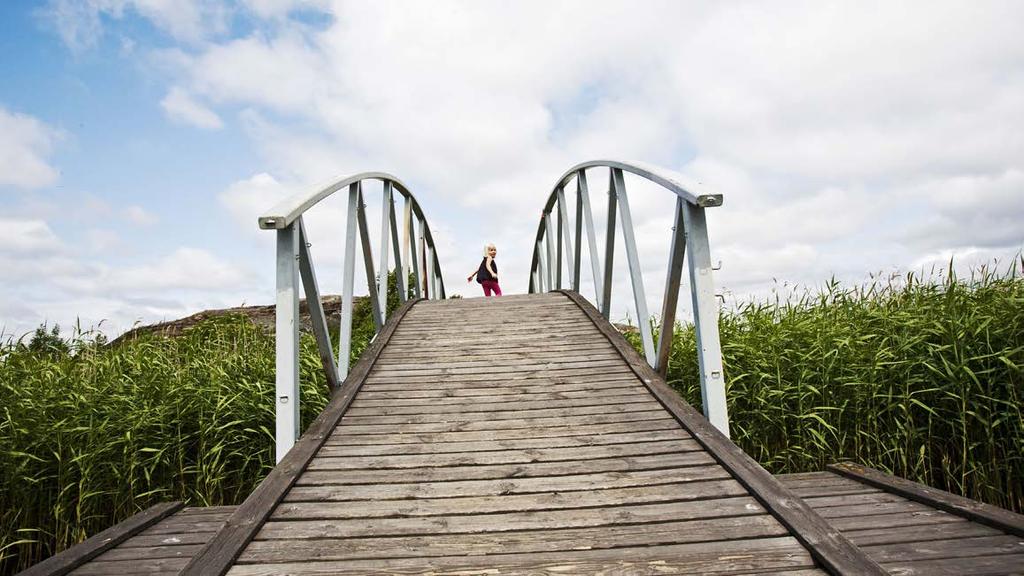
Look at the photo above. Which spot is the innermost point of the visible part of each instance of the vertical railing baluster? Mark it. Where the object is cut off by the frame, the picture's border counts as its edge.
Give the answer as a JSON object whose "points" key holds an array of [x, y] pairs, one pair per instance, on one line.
{"points": [[609, 250], [579, 240], [433, 273], [541, 269], [287, 341], [371, 278], [317, 318], [385, 237], [410, 232], [674, 277], [705, 316], [348, 282], [563, 233], [400, 273], [558, 244], [588, 216], [549, 241], [422, 241], [643, 319]]}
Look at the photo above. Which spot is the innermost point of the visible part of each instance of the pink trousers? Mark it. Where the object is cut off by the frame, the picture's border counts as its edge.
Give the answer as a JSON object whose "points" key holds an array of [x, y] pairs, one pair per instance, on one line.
{"points": [[491, 286]]}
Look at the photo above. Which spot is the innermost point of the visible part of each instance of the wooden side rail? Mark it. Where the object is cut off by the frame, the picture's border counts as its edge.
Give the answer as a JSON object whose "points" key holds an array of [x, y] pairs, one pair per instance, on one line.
{"points": [[979, 512], [66, 561]]}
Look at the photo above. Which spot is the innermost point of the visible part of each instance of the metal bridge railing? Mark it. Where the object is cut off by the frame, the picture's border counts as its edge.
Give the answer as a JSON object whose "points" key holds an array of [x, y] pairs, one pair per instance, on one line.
{"points": [[294, 260], [555, 250]]}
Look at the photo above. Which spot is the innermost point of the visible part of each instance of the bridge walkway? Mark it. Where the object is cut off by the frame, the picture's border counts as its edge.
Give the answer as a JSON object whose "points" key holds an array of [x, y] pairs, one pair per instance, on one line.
{"points": [[512, 435]]}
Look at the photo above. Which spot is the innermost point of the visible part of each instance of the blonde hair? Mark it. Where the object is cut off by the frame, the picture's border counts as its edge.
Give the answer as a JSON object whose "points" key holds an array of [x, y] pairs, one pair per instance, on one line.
{"points": [[487, 247]]}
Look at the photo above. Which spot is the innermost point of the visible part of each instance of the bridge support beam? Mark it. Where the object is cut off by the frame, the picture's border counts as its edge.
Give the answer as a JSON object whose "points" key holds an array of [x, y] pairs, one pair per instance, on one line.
{"points": [[705, 317]]}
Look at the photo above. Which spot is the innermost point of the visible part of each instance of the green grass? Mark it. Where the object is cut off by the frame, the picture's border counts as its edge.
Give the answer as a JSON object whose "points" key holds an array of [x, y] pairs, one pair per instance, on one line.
{"points": [[91, 434], [920, 376]]}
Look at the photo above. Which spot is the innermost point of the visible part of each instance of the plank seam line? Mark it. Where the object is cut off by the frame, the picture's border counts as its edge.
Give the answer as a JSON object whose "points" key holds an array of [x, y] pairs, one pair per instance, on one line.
{"points": [[220, 553], [833, 551]]}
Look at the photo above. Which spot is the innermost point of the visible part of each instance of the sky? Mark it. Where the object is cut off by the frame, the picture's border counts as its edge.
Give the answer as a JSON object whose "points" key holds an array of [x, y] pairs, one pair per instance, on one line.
{"points": [[141, 139]]}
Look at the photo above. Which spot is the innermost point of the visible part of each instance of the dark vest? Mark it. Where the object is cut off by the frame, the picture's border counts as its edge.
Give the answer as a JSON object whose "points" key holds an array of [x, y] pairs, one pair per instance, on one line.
{"points": [[483, 274]]}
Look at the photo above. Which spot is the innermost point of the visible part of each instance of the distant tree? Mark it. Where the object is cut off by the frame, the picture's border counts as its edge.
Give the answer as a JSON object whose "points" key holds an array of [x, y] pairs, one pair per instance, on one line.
{"points": [[48, 342]]}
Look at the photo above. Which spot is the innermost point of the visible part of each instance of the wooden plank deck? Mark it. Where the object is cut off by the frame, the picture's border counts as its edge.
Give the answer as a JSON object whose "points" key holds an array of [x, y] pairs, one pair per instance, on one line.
{"points": [[915, 535], [510, 436]]}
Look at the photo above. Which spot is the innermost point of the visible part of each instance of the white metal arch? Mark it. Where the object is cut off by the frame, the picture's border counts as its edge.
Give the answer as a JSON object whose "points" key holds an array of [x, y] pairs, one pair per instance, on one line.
{"points": [[294, 260], [690, 235]]}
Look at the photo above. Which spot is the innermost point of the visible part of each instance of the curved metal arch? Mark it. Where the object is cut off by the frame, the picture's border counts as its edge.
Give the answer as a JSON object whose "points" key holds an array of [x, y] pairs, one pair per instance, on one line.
{"points": [[294, 260], [689, 234]]}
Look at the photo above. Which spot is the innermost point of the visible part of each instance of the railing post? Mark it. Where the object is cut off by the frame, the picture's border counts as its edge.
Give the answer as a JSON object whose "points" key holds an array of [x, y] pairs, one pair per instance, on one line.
{"points": [[579, 239], [643, 319], [410, 240], [400, 272], [385, 236], [287, 341], [563, 233], [317, 318], [705, 316], [668, 305], [558, 244], [609, 250], [371, 278], [348, 282], [549, 231], [425, 277], [588, 215]]}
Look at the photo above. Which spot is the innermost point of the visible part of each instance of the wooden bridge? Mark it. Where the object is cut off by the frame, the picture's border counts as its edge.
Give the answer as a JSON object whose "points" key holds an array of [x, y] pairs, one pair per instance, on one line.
{"points": [[523, 435]]}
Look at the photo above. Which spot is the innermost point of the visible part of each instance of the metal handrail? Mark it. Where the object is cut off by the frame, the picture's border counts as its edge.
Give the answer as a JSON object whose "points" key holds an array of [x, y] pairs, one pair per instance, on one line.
{"points": [[294, 260], [689, 234]]}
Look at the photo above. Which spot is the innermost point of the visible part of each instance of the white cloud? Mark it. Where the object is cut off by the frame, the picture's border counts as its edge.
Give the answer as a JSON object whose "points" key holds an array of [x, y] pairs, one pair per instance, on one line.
{"points": [[80, 23], [25, 143], [182, 107], [139, 216], [28, 238]]}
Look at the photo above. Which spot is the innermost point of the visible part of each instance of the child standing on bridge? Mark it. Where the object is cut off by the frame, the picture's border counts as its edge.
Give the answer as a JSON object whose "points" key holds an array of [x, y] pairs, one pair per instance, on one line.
{"points": [[487, 273]]}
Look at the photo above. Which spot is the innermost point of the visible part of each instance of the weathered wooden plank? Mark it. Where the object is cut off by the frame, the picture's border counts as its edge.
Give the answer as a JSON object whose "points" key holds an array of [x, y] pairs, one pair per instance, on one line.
{"points": [[81, 554], [327, 458], [893, 520], [924, 533], [129, 567], [499, 350], [730, 557], [458, 488], [341, 448], [951, 548], [511, 521], [219, 554], [178, 528], [504, 471], [139, 553], [417, 397], [169, 540], [822, 502], [972, 510], [571, 378], [484, 370], [353, 509], [975, 566], [445, 362], [268, 551], [511, 377], [494, 416], [813, 492], [825, 543], [532, 423], [905, 507], [339, 437], [424, 407]]}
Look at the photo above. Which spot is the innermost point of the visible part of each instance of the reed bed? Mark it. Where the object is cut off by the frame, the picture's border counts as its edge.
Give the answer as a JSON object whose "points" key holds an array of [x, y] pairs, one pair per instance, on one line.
{"points": [[918, 375], [92, 433]]}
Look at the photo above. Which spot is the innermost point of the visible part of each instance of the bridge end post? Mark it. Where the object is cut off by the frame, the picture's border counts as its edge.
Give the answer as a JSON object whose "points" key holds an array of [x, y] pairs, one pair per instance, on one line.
{"points": [[705, 318], [286, 395]]}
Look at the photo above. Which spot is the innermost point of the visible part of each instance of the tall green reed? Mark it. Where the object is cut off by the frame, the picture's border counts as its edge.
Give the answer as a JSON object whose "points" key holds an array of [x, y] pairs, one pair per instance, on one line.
{"points": [[919, 375]]}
